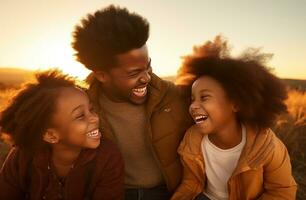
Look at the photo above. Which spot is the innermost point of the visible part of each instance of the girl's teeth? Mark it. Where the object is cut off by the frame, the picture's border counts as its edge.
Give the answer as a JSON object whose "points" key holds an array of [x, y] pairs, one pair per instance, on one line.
{"points": [[94, 133]]}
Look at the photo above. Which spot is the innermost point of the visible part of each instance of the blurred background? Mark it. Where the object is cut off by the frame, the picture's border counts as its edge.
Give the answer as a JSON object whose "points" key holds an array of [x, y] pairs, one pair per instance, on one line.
{"points": [[36, 34]]}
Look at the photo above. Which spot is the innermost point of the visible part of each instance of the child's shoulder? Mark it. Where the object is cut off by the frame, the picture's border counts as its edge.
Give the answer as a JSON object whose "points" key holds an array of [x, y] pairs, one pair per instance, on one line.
{"points": [[107, 145], [108, 158], [268, 137], [16, 164], [193, 133], [16, 155], [278, 145], [107, 150], [264, 146]]}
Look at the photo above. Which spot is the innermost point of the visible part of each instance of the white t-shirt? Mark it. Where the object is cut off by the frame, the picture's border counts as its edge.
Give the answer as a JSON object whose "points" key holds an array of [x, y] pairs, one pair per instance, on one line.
{"points": [[219, 166]]}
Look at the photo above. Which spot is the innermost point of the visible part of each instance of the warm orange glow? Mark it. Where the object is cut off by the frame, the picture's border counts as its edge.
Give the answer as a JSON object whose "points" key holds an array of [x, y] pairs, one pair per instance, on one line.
{"points": [[37, 34]]}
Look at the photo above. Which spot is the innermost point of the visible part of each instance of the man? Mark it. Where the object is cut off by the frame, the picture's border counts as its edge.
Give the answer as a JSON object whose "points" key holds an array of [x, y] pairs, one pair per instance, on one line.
{"points": [[145, 115]]}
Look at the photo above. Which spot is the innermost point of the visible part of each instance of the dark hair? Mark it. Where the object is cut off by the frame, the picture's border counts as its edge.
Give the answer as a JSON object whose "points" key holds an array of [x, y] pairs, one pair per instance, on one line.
{"points": [[107, 33], [29, 113], [258, 94]]}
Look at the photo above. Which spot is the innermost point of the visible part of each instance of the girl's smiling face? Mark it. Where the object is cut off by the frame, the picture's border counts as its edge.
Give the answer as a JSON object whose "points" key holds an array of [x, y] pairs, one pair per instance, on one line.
{"points": [[75, 124], [210, 107]]}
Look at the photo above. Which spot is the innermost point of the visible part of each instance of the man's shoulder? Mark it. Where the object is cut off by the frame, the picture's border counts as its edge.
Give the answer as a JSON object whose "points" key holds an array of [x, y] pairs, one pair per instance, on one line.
{"points": [[165, 89], [108, 147], [170, 100], [109, 154]]}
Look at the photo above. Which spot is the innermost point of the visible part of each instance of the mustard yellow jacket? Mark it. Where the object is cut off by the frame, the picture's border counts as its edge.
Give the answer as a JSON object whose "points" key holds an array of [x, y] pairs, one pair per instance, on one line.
{"points": [[263, 170]]}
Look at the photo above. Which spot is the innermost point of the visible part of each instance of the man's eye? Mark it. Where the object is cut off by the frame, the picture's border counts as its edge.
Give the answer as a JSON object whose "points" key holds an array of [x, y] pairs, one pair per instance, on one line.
{"points": [[133, 75]]}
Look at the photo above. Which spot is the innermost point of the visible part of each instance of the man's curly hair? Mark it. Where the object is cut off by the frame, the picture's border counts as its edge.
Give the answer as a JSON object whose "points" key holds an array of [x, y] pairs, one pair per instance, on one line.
{"points": [[247, 82], [29, 113], [106, 33]]}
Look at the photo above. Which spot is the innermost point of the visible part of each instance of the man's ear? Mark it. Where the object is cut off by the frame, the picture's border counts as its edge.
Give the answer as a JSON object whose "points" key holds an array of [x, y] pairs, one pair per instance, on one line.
{"points": [[51, 136], [102, 76]]}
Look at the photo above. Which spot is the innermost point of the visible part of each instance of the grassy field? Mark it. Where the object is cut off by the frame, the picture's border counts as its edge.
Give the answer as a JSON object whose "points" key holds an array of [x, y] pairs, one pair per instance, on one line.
{"points": [[13, 76], [290, 128]]}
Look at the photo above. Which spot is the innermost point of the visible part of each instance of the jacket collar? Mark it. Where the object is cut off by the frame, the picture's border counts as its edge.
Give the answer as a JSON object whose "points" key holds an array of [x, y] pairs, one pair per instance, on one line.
{"points": [[157, 89], [42, 159], [259, 145]]}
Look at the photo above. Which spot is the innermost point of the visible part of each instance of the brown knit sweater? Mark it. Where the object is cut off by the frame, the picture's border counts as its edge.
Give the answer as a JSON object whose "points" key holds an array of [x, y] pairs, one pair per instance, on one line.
{"points": [[128, 122]]}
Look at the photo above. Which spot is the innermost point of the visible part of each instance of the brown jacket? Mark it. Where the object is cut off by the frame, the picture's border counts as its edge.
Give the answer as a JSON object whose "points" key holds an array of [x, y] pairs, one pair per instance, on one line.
{"points": [[99, 170], [263, 170], [168, 119]]}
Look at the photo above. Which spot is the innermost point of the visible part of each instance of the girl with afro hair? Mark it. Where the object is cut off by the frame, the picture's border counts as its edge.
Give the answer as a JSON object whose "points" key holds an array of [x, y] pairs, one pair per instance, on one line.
{"points": [[230, 152]]}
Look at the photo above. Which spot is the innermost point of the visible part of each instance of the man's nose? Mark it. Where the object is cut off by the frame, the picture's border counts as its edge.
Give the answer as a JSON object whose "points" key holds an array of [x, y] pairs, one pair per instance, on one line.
{"points": [[145, 77]]}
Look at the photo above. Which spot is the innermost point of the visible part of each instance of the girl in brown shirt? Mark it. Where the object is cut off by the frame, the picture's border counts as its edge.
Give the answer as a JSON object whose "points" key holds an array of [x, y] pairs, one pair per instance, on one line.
{"points": [[58, 152]]}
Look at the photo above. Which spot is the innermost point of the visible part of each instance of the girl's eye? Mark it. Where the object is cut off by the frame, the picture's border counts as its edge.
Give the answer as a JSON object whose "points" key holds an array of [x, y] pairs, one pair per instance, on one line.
{"points": [[204, 98], [81, 116]]}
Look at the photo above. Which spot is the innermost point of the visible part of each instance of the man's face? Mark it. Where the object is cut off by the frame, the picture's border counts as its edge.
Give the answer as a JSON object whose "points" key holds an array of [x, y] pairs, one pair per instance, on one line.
{"points": [[128, 80]]}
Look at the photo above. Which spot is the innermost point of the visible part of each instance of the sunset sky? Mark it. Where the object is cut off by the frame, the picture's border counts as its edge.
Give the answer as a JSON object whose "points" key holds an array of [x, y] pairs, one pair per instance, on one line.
{"points": [[36, 34]]}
